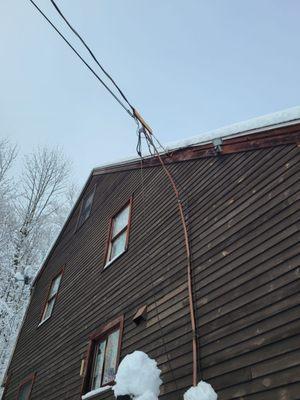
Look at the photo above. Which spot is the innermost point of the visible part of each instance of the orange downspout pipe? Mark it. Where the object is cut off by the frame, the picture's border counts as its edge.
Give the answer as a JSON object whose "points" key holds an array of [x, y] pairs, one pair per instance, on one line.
{"points": [[188, 257]]}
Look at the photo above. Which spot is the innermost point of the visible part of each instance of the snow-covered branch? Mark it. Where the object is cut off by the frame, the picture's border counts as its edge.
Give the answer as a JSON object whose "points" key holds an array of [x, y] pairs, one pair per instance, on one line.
{"points": [[31, 215]]}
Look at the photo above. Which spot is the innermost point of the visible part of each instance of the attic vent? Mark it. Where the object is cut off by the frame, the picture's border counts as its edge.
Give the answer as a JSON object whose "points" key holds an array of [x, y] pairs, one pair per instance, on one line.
{"points": [[140, 315]]}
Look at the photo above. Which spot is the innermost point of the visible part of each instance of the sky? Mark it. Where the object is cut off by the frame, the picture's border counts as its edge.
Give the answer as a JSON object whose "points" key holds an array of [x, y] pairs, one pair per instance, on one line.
{"points": [[189, 66]]}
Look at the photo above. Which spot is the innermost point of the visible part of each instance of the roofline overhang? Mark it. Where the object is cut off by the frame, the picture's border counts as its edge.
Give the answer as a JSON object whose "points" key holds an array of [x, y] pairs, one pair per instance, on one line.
{"points": [[262, 137], [268, 136]]}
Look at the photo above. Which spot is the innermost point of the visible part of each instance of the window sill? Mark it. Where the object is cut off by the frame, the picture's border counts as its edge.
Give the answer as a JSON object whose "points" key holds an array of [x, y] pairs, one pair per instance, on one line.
{"points": [[44, 320], [114, 259], [93, 393]]}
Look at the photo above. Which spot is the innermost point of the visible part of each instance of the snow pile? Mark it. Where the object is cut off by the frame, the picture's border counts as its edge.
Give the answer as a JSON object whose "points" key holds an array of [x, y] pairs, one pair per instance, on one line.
{"points": [[19, 276], [138, 376], [203, 391], [29, 271]]}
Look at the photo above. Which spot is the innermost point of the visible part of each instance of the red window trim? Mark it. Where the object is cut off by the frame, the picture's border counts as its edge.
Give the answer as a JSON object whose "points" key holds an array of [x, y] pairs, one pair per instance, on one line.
{"points": [[61, 272], [91, 191], [29, 378], [95, 337], [127, 228]]}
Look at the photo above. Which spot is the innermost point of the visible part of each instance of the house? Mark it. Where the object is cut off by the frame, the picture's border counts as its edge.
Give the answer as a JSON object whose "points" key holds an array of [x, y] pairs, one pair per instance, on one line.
{"points": [[115, 280]]}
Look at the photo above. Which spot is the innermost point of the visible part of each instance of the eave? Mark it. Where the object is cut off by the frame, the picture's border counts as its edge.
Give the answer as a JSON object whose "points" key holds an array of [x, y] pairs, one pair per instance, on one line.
{"points": [[281, 133], [288, 133]]}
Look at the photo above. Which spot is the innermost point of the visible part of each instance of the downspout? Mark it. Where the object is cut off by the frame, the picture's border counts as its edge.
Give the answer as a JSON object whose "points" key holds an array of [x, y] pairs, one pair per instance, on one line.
{"points": [[188, 256]]}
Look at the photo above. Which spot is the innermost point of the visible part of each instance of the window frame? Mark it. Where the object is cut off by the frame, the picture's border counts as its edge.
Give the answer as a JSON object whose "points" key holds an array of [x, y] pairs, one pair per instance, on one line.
{"points": [[111, 239], [91, 192], [48, 298], [29, 378], [94, 339]]}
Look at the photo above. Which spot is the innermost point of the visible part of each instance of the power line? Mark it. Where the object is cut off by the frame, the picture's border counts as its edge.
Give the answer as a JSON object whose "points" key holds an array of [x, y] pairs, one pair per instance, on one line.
{"points": [[131, 113], [91, 53], [148, 135]]}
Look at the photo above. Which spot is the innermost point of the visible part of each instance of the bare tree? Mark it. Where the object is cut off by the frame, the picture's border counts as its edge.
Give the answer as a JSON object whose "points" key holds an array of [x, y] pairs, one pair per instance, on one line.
{"points": [[44, 180], [8, 153], [37, 213]]}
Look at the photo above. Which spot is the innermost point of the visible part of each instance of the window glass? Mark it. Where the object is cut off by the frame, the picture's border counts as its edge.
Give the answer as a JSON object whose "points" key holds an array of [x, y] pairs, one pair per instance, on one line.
{"points": [[120, 221], [25, 391], [86, 208], [118, 245], [51, 297], [55, 286], [49, 308], [119, 233], [111, 355], [99, 361], [105, 360]]}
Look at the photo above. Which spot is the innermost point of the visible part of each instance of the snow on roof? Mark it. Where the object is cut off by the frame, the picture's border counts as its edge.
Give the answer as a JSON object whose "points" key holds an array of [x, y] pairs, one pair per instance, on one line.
{"points": [[242, 128], [285, 117], [280, 118]]}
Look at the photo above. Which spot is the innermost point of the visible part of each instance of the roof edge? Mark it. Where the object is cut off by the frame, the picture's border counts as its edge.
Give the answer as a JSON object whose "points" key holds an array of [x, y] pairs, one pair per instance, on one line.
{"points": [[287, 117], [193, 150]]}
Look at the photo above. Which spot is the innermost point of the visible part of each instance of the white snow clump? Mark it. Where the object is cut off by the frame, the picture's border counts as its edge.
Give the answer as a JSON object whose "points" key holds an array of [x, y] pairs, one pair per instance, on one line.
{"points": [[203, 391], [138, 376], [19, 276]]}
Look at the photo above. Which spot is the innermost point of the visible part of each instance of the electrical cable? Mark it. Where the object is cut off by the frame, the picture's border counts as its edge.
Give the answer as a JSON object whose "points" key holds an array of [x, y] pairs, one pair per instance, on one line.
{"points": [[91, 53], [152, 279], [147, 133], [82, 59], [188, 257]]}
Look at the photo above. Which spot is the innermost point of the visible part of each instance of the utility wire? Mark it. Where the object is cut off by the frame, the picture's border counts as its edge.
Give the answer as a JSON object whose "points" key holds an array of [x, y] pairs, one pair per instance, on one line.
{"points": [[91, 53], [82, 59], [147, 133], [152, 279], [188, 253]]}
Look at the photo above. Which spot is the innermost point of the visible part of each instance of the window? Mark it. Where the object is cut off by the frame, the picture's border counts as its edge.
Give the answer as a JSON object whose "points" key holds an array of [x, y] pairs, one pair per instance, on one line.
{"points": [[25, 388], [118, 233], [86, 208], [103, 357], [51, 299]]}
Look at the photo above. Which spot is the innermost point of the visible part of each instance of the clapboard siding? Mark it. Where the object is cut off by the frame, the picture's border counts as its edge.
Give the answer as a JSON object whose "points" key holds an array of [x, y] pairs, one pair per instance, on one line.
{"points": [[243, 218]]}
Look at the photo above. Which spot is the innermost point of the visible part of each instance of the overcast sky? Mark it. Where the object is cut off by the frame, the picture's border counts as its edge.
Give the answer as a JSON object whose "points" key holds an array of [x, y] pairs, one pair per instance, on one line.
{"points": [[188, 65]]}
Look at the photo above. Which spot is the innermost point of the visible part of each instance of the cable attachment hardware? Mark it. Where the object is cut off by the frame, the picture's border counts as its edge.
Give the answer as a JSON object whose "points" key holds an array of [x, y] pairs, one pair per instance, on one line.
{"points": [[142, 121], [217, 142]]}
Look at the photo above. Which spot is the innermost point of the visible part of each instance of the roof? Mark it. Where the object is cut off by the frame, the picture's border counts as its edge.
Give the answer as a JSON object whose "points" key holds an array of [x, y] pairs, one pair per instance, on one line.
{"points": [[289, 116], [280, 119]]}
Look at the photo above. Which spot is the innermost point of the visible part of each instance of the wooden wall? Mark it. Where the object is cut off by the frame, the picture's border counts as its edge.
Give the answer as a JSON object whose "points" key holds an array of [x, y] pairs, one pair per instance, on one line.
{"points": [[243, 215]]}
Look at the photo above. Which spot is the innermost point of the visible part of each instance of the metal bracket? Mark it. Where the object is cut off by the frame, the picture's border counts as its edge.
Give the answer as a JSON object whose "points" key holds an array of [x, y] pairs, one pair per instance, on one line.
{"points": [[217, 142], [142, 121]]}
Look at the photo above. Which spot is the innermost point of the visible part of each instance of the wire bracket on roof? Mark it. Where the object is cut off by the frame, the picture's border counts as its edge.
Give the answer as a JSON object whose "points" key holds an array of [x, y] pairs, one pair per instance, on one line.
{"points": [[217, 142], [142, 121]]}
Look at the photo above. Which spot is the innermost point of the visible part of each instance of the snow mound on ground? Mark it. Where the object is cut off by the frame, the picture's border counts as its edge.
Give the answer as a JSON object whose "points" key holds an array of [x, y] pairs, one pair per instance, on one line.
{"points": [[138, 376], [203, 391]]}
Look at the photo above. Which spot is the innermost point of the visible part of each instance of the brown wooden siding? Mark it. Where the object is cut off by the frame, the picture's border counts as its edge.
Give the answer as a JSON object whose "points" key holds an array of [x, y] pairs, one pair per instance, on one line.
{"points": [[243, 219]]}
